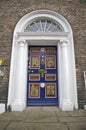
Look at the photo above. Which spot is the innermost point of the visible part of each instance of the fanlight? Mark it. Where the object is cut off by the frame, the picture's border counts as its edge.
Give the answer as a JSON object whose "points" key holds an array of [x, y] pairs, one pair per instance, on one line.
{"points": [[43, 26]]}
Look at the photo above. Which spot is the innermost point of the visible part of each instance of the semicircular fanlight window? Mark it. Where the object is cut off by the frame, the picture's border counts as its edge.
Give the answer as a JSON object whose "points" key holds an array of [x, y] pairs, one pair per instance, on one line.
{"points": [[43, 26]]}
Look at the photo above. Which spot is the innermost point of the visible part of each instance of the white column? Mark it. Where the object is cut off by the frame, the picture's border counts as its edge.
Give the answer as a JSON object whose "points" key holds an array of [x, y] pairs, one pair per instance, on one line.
{"points": [[66, 96], [18, 104]]}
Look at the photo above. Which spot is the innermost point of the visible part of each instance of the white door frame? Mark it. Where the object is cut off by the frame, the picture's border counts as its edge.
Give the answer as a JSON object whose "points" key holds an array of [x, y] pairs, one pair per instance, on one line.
{"points": [[66, 61]]}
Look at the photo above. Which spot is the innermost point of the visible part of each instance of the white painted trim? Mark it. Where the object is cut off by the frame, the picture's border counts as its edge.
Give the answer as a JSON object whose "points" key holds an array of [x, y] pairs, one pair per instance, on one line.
{"points": [[32, 38], [55, 34], [2, 108]]}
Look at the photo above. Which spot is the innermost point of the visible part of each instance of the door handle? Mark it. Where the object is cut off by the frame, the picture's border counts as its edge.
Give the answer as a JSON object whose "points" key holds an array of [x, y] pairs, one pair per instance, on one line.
{"points": [[42, 85]]}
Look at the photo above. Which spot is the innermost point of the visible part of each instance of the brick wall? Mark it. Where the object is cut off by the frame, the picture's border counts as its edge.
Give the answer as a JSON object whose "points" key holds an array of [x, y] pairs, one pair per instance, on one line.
{"points": [[73, 10]]}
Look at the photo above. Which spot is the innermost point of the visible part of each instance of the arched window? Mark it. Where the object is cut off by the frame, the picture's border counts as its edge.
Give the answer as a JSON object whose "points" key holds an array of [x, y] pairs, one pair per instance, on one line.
{"points": [[43, 25]]}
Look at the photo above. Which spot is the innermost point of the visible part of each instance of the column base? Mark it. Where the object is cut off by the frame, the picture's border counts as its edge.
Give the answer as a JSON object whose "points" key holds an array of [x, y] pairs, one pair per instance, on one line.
{"points": [[2, 108], [17, 105], [67, 105], [76, 106]]}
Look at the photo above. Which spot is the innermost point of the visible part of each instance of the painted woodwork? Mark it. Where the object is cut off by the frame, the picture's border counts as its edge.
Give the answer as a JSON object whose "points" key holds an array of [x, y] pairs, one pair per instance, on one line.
{"points": [[50, 50], [34, 77], [50, 90], [34, 62], [34, 90], [42, 73], [34, 51], [50, 77], [50, 62]]}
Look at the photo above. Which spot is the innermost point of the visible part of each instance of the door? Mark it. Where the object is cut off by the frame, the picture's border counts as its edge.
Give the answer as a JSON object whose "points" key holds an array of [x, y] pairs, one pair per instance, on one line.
{"points": [[42, 76]]}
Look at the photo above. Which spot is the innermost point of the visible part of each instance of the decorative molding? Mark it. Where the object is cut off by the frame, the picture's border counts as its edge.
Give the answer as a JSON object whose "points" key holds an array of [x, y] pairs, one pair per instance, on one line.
{"points": [[64, 43], [21, 43], [34, 77], [35, 62], [50, 62], [50, 77], [43, 34], [50, 90], [34, 90]]}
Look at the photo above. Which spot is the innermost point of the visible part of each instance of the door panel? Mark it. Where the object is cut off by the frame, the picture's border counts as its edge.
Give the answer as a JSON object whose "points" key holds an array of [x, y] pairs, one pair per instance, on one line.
{"points": [[34, 90], [42, 76]]}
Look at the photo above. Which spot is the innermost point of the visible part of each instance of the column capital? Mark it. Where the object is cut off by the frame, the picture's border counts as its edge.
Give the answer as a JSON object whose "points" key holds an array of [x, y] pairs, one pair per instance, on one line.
{"points": [[64, 43], [21, 43]]}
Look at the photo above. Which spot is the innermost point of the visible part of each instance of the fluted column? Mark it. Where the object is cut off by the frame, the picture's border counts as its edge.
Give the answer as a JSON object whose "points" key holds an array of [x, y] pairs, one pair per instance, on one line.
{"points": [[66, 93], [18, 102]]}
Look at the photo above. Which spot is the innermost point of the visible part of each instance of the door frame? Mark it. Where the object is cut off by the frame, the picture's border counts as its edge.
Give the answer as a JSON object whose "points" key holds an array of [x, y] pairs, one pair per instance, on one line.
{"points": [[19, 58]]}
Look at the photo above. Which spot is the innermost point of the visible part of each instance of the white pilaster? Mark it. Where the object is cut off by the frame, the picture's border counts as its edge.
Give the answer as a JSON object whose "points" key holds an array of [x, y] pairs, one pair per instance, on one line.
{"points": [[66, 96], [18, 104]]}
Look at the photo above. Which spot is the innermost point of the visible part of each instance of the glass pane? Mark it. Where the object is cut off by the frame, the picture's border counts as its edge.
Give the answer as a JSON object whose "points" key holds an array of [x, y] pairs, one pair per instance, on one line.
{"points": [[44, 25]]}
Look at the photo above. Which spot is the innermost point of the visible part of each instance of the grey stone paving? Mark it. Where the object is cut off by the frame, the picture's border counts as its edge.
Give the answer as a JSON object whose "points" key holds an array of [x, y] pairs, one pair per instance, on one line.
{"points": [[43, 118]]}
